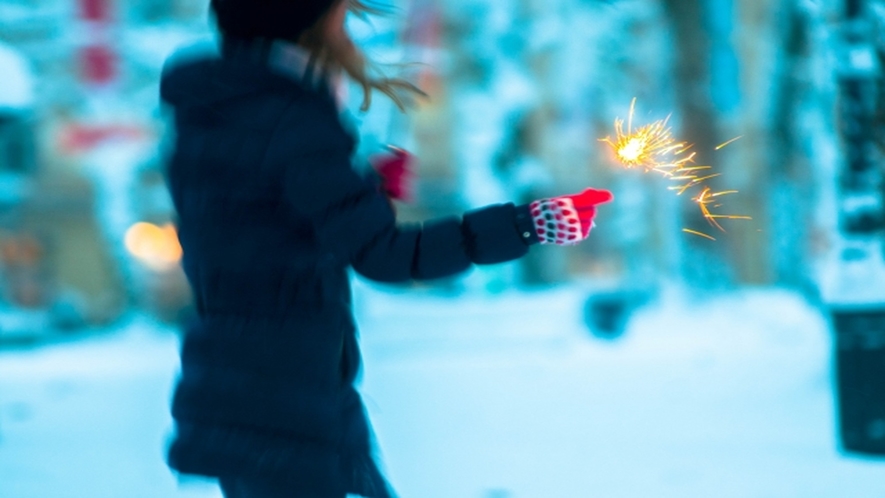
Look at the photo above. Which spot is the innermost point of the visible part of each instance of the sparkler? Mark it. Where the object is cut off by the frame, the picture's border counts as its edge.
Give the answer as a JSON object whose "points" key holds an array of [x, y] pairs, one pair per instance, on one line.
{"points": [[653, 147]]}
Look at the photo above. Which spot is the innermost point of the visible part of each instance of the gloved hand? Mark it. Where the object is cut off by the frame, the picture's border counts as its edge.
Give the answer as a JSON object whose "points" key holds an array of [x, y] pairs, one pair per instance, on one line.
{"points": [[395, 171], [567, 220]]}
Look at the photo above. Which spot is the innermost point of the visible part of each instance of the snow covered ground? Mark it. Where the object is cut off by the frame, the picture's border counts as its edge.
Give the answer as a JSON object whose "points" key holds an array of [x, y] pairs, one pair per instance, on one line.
{"points": [[502, 396]]}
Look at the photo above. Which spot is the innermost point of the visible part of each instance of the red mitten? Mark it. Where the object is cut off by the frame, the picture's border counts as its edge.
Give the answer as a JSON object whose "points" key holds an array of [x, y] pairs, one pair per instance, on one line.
{"points": [[395, 170], [567, 220]]}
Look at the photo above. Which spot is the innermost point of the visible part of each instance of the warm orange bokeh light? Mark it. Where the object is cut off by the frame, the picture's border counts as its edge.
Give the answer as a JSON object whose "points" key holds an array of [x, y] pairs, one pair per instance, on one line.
{"points": [[155, 246]]}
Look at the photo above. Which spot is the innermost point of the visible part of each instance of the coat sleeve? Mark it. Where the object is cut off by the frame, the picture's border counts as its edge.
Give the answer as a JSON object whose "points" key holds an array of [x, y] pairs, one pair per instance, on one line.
{"points": [[355, 224]]}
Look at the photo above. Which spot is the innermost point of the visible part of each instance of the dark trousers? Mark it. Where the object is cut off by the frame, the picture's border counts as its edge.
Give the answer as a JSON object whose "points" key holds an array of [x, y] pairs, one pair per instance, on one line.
{"points": [[244, 488]]}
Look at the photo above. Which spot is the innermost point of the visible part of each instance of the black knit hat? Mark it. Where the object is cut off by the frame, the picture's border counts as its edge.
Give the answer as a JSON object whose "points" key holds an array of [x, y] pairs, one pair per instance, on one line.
{"points": [[269, 19]]}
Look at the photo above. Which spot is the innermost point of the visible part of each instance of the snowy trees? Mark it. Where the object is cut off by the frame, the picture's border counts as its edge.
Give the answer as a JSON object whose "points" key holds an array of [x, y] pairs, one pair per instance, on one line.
{"points": [[520, 92]]}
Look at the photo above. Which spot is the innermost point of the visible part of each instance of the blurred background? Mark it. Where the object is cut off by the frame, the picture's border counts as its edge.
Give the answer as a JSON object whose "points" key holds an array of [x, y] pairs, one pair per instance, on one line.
{"points": [[647, 361]]}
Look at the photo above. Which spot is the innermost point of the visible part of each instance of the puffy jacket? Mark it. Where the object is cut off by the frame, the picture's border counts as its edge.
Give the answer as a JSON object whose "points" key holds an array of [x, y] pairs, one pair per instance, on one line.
{"points": [[271, 215]]}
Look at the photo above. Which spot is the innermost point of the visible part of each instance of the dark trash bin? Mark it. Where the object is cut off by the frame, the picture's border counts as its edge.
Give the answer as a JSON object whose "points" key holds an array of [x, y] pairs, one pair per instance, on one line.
{"points": [[860, 379], [606, 314]]}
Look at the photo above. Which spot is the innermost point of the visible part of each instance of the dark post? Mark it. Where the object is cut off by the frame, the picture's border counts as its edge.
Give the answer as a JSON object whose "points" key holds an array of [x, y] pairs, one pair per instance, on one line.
{"points": [[856, 291]]}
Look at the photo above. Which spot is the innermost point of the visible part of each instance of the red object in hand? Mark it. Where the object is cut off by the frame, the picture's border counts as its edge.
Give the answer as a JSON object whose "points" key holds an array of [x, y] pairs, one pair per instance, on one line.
{"points": [[585, 203], [567, 219], [395, 170]]}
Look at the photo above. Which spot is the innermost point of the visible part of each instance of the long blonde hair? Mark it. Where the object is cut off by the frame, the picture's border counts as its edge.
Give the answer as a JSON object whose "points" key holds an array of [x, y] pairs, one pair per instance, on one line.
{"points": [[333, 53]]}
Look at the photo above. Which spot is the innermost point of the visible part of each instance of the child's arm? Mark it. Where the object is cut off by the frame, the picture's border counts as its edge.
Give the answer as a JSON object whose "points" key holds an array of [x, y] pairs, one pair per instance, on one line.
{"points": [[354, 223]]}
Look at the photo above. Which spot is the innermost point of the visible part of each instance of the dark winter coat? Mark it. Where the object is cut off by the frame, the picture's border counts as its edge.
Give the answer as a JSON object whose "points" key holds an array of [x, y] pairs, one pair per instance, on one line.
{"points": [[271, 215]]}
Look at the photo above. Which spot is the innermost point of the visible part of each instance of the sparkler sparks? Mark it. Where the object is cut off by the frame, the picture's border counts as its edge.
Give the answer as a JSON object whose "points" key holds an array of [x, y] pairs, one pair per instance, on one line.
{"points": [[699, 234], [653, 148], [733, 140]]}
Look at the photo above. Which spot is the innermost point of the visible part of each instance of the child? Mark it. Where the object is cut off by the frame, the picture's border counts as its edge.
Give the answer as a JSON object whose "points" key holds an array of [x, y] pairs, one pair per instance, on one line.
{"points": [[271, 217]]}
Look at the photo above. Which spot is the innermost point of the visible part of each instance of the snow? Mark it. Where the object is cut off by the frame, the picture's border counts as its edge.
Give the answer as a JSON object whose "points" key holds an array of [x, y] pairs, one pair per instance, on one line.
{"points": [[487, 397], [17, 90], [89, 418], [501, 395], [862, 60], [852, 276]]}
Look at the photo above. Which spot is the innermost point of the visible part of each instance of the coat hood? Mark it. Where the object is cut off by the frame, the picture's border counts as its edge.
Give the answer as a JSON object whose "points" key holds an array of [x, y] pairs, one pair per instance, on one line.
{"points": [[207, 80]]}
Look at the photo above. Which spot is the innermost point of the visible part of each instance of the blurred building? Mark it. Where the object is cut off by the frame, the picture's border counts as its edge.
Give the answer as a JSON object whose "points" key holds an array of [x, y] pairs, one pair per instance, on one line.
{"points": [[520, 91], [93, 68]]}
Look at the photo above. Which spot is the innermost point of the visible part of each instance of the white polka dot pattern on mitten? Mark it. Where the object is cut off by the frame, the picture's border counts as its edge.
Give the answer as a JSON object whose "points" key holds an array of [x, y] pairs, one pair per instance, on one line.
{"points": [[556, 221]]}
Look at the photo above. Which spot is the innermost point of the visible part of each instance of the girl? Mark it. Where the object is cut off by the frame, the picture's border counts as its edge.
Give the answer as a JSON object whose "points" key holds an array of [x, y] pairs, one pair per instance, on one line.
{"points": [[271, 216]]}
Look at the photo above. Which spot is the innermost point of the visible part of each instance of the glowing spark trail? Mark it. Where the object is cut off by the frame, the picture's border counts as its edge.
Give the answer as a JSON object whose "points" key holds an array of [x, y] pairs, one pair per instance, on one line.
{"points": [[733, 140], [653, 148], [693, 232]]}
